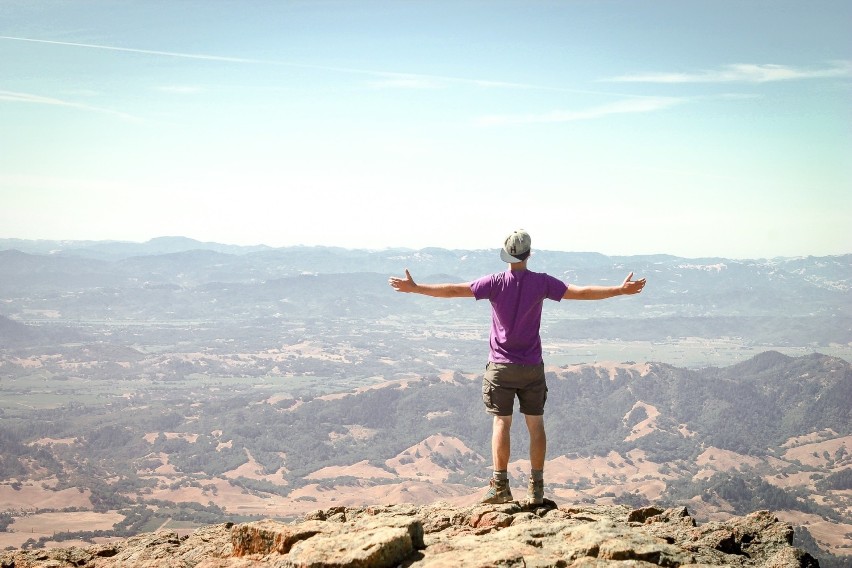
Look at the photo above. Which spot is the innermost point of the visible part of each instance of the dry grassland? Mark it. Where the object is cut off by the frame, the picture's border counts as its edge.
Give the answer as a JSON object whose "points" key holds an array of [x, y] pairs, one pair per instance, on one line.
{"points": [[361, 470], [32, 496], [813, 454]]}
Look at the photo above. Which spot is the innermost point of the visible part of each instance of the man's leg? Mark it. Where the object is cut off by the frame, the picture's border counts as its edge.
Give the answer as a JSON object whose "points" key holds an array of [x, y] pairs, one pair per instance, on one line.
{"points": [[501, 442], [538, 449], [538, 441], [498, 394], [498, 491]]}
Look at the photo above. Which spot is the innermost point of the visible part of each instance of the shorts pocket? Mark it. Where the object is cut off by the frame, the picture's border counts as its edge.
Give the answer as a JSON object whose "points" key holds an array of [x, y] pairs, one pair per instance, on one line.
{"points": [[487, 394]]}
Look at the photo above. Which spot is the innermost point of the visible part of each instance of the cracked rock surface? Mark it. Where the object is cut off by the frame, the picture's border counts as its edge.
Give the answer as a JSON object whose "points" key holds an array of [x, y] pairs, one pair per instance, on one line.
{"points": [[445, 536]]}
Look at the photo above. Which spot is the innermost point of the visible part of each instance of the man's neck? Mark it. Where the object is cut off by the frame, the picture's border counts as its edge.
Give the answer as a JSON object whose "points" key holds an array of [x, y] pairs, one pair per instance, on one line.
{"points": [[518, 266]]}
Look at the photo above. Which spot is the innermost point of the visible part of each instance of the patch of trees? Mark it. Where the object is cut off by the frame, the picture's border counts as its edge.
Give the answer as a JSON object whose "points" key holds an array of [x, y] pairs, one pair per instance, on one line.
{"points": [[196, 512], [134, 521], [11, 467], [6, 519], [118, 440], [106, 497], [10, 441], [456, 462], [260, 486], [746, 492], [204, 459], [665, 447], [636, 416], [633, 500], [836, 481]]}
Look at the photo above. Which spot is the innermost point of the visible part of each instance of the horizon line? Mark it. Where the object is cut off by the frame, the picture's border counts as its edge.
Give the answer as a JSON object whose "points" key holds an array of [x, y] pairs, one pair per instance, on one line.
{"points": [[388, 248]]}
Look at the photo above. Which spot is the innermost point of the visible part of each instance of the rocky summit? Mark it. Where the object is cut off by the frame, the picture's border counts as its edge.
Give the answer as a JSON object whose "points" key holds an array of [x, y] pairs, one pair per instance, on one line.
{"points": [[444, 536]]}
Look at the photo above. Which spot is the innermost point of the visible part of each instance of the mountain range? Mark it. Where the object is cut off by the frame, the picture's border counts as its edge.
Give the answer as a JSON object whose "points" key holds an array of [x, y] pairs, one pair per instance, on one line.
{"points": [[774, 302]]}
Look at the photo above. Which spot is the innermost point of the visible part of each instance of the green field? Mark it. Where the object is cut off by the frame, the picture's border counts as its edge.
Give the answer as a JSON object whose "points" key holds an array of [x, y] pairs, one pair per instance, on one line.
{"points": [[689, 353]]}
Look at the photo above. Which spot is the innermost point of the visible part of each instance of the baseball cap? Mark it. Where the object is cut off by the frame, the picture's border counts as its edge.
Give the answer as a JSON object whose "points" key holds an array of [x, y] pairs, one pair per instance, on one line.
{"points": [[516, 247]]}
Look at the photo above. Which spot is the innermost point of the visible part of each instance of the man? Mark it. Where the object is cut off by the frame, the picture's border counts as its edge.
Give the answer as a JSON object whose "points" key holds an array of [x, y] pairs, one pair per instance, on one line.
{"points": [[515, 366]]}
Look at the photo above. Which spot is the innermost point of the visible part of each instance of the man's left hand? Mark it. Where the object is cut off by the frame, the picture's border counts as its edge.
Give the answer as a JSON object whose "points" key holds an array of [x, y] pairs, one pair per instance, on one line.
{"points": [[630, 286]]}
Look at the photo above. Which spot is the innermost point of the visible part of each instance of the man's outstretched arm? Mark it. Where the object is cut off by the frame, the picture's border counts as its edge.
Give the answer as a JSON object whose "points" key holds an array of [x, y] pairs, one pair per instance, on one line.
{"points": [[629, 286], [408, 285]]}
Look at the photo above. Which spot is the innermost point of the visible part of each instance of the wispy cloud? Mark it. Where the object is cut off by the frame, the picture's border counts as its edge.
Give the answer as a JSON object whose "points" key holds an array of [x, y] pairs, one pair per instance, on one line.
{"points": [[408, 82], [643, 105], [743, 73], [15, 97], [180, 89], [391, 79], [383, 78]]}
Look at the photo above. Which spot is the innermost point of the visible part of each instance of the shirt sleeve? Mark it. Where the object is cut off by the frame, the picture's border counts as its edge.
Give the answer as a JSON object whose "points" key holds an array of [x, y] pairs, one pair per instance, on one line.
{"points": [[555, 288], [482, 287]]}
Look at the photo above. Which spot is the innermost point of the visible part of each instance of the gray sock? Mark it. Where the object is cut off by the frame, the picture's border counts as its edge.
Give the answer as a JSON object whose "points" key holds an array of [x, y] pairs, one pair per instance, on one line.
{"points": [[537, 474], [501, 475]]}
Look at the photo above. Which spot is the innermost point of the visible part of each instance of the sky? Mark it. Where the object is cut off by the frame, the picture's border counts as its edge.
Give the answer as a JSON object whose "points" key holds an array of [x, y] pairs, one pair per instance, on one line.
{"points": [[707, 128]]}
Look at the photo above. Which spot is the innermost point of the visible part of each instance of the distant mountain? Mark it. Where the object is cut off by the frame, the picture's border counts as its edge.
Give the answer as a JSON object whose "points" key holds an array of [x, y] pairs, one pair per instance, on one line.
{"points": [[116, 250], [797, 301], [12, 331], [14, 334]]}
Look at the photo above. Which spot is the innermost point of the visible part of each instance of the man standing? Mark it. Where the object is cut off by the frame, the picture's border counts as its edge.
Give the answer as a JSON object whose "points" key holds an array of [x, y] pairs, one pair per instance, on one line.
{"points": [[515, 366]]}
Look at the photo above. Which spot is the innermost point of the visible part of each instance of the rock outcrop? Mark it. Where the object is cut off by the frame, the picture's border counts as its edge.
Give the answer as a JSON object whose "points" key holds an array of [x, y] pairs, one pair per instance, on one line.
{"points": [[443, 536]]}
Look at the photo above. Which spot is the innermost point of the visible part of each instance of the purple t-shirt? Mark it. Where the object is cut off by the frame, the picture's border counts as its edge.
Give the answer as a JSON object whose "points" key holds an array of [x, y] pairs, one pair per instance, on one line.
{"points": [[516, 302]]}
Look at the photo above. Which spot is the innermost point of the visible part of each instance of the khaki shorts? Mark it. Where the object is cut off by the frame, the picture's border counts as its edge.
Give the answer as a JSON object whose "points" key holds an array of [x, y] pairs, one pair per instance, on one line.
{"points": [[504, 381]]}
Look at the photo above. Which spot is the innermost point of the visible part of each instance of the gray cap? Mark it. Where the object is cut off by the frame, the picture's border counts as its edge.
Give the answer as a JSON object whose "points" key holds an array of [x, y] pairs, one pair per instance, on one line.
{"points": [[516, 247]]}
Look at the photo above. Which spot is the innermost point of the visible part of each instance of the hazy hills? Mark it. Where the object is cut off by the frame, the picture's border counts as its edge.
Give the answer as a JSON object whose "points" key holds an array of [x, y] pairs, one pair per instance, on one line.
{"points": [[178, 257], [796, 301]]}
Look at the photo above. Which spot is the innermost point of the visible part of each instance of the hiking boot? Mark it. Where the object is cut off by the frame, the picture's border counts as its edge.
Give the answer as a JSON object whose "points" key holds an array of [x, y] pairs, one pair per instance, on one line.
{"points": [[498, 492], [535, 493]]}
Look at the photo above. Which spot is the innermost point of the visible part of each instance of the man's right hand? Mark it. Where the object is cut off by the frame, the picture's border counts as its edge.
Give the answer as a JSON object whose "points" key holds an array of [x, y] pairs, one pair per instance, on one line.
{"points": [[406, 284]]}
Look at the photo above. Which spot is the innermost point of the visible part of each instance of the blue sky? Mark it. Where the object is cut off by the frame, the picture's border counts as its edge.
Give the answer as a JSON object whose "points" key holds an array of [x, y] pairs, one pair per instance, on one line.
{"points": [[701, 128]]}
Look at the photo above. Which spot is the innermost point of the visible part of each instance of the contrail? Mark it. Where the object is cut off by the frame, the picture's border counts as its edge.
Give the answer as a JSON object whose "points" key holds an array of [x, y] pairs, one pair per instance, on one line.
{"points": [[263, 61], [131, 50], [15, 97], [619, 107], [404, 78]]}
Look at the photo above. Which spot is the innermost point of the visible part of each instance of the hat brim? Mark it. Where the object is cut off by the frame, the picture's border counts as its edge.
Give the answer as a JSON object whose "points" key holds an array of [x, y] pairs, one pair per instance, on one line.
{"points": [[506, 257]]}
